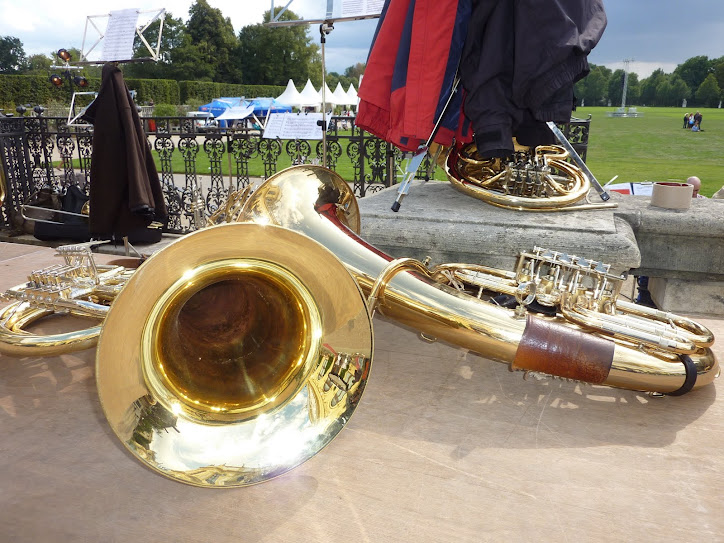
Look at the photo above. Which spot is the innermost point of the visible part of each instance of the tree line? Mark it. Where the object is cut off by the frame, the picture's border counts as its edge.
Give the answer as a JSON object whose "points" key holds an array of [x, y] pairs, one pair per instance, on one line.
{"points": [[698, 80], [205, 48]]}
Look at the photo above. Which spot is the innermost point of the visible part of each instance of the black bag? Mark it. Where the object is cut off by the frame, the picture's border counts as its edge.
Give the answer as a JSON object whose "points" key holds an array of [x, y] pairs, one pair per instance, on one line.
{"points": [[64, 226]]}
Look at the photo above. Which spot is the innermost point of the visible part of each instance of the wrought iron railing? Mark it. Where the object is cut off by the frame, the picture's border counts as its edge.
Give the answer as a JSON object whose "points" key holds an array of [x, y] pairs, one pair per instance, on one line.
{"points": [[198, 165]]}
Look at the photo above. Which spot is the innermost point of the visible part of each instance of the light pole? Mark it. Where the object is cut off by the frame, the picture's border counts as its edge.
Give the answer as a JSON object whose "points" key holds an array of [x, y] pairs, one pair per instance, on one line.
{"points": [[67, 75], [626, 64]]}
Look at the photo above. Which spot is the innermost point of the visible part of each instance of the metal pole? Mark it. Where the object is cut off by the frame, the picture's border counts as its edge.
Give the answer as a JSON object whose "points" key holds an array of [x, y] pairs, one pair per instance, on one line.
{"points": [[324, 29]]}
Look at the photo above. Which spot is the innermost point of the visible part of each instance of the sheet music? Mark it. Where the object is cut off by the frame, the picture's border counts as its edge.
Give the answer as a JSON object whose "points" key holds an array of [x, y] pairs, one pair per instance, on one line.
{"points": [[120, 32], [291, 126], [353, 8]]}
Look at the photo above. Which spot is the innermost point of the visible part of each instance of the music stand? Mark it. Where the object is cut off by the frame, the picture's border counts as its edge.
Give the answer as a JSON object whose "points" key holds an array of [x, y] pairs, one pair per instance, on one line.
{"points": [[337, 11], [119, 33], [73, 119]]}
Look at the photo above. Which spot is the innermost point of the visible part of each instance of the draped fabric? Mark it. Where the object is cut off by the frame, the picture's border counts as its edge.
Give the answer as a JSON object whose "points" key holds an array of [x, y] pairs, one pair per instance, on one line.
{"points": [[125, 191], [518, 61], [410, 72]]}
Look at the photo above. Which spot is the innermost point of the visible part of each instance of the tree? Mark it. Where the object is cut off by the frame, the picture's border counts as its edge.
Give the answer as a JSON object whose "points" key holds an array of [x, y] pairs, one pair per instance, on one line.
{"points": [[38, 65], [213, 39], [649, 85], [719, 73], [694, 70], [615, 87], [679, 89], [273, 55], [12, 55], [355, 72], [709, 92], [187, 64], [593, 88], [665, 93], [171, 38]]}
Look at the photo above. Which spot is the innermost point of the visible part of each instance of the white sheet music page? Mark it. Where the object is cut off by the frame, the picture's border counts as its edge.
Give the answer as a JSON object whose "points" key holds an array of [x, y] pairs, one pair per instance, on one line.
{"points": [[354, 8], [290, 126], [120, 32]]}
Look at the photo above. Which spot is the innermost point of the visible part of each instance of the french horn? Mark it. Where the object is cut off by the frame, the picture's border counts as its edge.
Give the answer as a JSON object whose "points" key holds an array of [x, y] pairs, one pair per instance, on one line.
{"points": [[532, 179], [77, 287], [239, 351]]}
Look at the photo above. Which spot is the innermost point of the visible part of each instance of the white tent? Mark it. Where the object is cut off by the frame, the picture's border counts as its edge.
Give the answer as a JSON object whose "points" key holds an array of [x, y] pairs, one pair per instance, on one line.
{"points": [[290, 96], [341, 96], [329, 96], [309, 96], [352, 96]]}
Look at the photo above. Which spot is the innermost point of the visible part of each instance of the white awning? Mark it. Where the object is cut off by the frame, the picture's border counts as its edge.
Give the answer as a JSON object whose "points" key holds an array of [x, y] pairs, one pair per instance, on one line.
{"points": [[309, 96], [236, 113]]}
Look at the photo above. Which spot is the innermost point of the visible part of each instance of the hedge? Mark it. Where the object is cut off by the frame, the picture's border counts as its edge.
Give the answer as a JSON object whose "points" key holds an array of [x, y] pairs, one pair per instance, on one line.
{"points": [[205, 91], [36, 89]]}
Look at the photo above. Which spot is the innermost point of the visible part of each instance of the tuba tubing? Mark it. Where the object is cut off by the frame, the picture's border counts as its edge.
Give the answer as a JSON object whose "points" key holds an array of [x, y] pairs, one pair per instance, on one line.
{"points": [[551, 346]]}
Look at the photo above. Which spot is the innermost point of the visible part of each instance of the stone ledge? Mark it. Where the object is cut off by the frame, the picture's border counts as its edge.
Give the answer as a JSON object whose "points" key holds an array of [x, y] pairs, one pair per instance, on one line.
{"points": [[685, 249], [691, 297], [436, 220]]}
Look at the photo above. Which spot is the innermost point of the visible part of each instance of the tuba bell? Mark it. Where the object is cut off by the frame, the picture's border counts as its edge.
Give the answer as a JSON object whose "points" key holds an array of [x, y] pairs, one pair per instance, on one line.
{"points": [[256, 340]]}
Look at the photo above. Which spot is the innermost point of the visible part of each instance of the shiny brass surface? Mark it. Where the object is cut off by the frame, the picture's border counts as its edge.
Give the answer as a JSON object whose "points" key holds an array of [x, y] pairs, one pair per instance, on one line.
{"points": [[431, 306], [230, 338], [241, 350], [252, 352], [78, 286], [532, 180]]}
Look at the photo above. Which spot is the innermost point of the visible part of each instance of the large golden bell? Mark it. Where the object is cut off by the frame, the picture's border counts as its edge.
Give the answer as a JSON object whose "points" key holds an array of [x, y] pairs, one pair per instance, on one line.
{"points": [[234, 355]]}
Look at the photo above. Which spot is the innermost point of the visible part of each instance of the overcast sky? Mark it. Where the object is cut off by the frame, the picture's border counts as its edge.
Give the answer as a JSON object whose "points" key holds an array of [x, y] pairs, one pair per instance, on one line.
{"points": [[654, 33]]}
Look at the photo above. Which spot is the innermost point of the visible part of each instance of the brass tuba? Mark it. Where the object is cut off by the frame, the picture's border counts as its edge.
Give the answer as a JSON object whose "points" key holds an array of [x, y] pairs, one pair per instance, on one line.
{"points": [[241, 350]]}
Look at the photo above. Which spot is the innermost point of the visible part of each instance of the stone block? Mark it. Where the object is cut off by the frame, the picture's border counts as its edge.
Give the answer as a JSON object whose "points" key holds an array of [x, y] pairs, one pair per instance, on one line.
{"points": [[687, 296], [436, 220]]}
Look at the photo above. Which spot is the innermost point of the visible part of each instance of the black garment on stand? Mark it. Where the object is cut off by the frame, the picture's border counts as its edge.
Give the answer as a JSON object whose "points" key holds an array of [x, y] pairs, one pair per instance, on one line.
{"points": [[519, 63], [125, 190]]}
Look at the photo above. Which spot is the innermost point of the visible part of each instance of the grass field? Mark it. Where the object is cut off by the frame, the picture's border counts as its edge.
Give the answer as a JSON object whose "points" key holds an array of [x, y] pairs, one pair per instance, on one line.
{"points": [[655, 147]]}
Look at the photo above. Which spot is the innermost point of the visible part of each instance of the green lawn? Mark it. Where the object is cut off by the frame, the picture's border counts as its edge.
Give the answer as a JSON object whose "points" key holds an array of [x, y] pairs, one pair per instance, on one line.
{"points": [[256, 166], [655, 147]]}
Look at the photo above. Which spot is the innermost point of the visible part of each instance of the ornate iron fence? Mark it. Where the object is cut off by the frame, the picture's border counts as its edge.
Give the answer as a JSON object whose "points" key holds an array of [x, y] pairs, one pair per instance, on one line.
{"points": [[198, 166]]}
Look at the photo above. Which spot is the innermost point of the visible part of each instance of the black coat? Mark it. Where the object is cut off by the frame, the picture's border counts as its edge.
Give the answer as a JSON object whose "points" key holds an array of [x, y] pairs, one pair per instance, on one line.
{"points": [[125, 191], [519, 63]]}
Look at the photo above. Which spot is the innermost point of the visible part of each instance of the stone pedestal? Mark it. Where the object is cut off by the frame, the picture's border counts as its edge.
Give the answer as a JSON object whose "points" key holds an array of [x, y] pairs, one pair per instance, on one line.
{"points": [[681, 251], [683, 296], [436, 220]]}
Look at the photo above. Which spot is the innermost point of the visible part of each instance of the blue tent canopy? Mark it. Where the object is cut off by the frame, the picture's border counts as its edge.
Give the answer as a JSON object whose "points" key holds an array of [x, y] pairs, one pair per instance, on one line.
{"points": [[262, 106], [217, 106]]}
